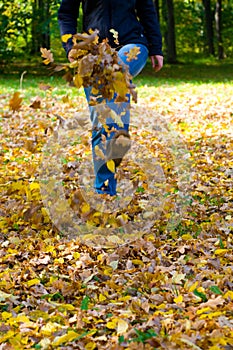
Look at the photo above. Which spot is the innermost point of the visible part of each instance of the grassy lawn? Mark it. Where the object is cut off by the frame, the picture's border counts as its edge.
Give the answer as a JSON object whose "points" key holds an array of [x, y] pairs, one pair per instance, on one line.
{"points": [[170, 75]]}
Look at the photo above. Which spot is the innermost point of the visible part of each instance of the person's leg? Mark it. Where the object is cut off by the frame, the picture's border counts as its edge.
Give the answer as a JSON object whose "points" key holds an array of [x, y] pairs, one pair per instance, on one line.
{"points": [[135, 65], [105, 181]]}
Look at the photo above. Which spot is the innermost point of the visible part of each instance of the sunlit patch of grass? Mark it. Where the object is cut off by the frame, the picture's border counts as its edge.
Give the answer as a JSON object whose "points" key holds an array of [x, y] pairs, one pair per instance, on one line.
{"points": [[183, 79], [30, 86]]}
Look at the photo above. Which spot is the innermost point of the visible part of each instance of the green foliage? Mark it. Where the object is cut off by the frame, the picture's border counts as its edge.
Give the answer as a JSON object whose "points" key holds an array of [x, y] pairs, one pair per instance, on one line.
{"points": [[142, 337], [85, 302], [189, 27], [14, 20], [227, 20], [23, 25], [17, 20]]}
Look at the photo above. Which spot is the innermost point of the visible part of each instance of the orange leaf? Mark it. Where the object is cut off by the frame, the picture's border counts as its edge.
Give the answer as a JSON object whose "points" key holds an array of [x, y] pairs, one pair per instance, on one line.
{"points": [[15, 102]]}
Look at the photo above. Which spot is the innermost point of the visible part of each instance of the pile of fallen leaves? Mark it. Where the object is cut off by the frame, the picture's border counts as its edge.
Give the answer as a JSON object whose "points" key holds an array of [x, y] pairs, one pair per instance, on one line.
{"points": [[168, 288]]}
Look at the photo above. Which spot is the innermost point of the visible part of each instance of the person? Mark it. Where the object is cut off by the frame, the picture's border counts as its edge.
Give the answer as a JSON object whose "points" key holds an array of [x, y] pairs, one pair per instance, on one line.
{"points": [[136, 24]]}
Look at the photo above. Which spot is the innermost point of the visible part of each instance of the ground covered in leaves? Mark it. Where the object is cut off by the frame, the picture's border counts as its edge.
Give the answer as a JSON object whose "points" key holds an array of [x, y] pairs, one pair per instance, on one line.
{"points": [[171, 286]]}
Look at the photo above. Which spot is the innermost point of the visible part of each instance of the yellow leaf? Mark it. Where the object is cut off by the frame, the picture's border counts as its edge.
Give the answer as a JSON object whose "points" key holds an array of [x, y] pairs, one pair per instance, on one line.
{"points": [[65, 338], [161, 306], [8, 335], [94, 91], [112, 324], [193, 287], [33, 282], [133, 53], [22, 318], [66, 37], [5, 315], [18, 319], [203, 310], [111, 165], [228, 294], [18, 341], [49, 328], [187, 237], [120, 86], [74, 64], [34, 186], [76, 255], [125, 298], [137, 262], [85, 208], [102, 297], [78, 81], [212, 315], [122, 326], [90, 346], [66, 307], [179, 299], [220, 251]]}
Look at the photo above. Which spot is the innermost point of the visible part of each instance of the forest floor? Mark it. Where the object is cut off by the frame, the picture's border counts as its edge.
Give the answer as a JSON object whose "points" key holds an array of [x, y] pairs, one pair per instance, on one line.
{"points": [[149, 269]]}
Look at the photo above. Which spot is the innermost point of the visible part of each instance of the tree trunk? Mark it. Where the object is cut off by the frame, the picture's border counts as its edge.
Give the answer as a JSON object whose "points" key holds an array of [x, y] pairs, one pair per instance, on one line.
{"points": [[169, 35], [218, 25], [40, 25], [46, 24], [209, 27]]}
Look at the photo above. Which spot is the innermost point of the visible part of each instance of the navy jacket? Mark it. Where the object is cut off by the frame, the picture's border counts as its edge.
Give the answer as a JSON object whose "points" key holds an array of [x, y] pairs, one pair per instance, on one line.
{"points": [[134, 20]]}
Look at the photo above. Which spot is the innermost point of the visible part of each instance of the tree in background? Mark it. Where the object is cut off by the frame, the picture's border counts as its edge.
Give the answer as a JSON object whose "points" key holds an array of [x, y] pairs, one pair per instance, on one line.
{"points": [[218, 24], [208, 27], [190, 28], [41, 14], [26, 26], [169, 30], [15, 18]]}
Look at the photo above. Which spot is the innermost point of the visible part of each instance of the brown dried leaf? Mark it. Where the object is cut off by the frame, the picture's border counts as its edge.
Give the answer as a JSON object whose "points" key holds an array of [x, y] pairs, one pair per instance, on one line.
{"points": [[44, 87], [15, 102], [47, 54], [36, 103]]}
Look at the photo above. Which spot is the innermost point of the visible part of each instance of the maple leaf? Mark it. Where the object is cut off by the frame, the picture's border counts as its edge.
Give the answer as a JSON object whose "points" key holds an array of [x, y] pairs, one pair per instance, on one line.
{"points": [[132, 54], [47, 54], [15, 102], [84, 40]]}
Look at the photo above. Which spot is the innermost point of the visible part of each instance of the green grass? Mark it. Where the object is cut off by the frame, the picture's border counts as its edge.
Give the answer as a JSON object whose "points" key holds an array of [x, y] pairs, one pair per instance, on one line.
{"points": [[28, 86], [195, 73], [171, 75]]}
